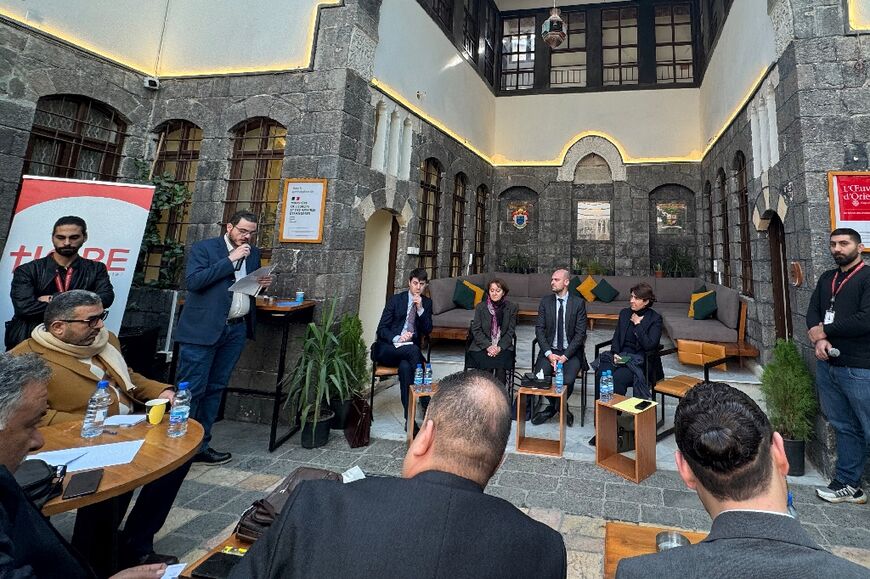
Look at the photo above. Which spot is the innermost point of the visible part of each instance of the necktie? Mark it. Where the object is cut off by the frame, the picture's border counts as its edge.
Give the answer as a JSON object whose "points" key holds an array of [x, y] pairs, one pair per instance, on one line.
{"points": [[560, 326], [411, 318]]}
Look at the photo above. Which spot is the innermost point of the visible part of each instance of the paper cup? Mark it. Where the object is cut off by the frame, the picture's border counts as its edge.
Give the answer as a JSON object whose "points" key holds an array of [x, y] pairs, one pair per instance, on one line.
{"points": [[300, 296], [156, 410]]}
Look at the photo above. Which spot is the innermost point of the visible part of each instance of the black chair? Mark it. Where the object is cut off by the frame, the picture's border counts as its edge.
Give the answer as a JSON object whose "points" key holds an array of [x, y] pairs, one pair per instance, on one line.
{"points": [[582, 382], [511, 372], [380, 372]]}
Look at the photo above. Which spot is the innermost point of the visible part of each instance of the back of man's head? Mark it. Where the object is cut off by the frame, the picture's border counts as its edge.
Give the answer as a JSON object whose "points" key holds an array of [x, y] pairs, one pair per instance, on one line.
{"points": [[726, 440], [471, 423], [63, 305]]}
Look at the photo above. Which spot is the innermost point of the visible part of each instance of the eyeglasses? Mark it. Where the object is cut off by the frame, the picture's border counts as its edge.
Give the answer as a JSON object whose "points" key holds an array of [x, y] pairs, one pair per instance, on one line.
{"points": [[91, 321], [245, 231]]}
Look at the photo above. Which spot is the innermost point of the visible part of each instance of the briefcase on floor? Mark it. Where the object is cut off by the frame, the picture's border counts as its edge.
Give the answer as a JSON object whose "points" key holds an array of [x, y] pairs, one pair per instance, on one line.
{"points": [[358, 427]]}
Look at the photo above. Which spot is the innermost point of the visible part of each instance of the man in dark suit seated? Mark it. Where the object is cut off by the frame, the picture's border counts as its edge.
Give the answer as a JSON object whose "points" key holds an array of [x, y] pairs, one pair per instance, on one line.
{"points": [[435, 522], [561, 334], [729, 454], [406, 319]]}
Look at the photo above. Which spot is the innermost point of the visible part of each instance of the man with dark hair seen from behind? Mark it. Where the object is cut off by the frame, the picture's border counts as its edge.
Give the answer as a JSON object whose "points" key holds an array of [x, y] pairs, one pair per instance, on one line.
{"points": [[30, 547], [36, 282], [434, 522], [729, 454], [215, 322], [838, 324], [407, 317]]}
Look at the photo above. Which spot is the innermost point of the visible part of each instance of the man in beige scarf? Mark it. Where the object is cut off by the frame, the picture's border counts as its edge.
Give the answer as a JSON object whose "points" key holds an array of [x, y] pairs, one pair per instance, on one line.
{"points": [[80, 351]]}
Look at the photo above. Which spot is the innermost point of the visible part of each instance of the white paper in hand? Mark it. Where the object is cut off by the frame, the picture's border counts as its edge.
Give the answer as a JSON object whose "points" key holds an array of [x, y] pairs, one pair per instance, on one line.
{"points": [[249, 285]]}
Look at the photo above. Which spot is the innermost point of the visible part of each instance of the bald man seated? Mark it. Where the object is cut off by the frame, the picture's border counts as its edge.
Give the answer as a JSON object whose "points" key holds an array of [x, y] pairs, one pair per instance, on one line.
{"points": [[434, 522]]}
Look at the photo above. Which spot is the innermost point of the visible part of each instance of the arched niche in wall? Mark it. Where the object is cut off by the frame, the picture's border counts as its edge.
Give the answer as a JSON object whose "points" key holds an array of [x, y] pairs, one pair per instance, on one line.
{"points": [[592, 215], [517, 230], [592, 144], [672, 224]]}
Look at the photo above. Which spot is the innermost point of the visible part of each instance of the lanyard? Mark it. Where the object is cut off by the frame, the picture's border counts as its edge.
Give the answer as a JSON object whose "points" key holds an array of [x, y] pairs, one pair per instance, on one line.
{"points": [[63, 285], [834, 292]]}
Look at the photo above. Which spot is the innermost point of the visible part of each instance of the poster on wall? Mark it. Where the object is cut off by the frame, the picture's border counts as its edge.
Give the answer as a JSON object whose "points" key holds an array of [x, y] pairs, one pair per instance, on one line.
{"points": [[671, 217], [304, 208], [593, 220], [115, 214], [849, 198]]}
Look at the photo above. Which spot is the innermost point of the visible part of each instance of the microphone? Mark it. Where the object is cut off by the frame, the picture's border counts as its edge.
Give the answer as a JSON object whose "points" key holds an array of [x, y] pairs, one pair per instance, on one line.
{"points": [[833, 352], [239, 263]]}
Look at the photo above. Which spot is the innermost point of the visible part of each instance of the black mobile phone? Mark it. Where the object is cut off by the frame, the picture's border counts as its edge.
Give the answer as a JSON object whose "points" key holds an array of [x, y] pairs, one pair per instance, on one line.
{"points": [[217, 566], [642, 405], [83, 483]]}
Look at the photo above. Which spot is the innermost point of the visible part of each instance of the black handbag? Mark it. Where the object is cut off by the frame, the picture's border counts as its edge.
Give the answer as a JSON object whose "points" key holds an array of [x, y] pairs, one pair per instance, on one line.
{"points": [[358, 428], [40, 481]]}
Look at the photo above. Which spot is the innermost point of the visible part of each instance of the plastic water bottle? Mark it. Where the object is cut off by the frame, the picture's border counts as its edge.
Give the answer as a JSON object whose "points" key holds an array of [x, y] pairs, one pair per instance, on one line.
{"points": [[427, 379], [559, 378], [791, 510], [180, 411], [98, 409], [418, 378], [606, 386]]}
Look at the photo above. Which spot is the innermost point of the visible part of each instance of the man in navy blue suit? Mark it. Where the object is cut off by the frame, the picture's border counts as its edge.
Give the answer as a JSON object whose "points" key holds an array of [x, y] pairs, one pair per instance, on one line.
{"points": [[216, 322], [406, 319]]}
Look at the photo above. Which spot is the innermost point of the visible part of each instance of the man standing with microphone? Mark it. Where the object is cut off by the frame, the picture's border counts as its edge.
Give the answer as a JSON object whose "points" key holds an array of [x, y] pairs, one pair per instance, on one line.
{"points": [[215, 322], [838, 323]]}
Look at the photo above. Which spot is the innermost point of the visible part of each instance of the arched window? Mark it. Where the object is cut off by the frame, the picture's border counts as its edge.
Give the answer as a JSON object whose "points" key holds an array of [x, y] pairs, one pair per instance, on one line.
{"points": [[429, 206], [460, 184], [75, 137], [708, 200], [480, 229], [743, 218], [177, 154], [724, 237], [255, 176]]}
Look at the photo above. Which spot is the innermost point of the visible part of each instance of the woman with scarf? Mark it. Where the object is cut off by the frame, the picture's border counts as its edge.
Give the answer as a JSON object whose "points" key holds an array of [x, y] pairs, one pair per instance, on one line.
{"points": [[492, 331]]}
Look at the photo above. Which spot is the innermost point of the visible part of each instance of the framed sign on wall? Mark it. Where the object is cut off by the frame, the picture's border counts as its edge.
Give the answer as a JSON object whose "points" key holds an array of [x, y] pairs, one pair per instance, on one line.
{"points": [[303, 211], [849, 198]]}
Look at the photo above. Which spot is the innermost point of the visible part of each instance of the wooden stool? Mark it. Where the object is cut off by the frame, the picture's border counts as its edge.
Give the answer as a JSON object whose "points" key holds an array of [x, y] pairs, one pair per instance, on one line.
{"points": [[529, 445], [413, 397], [606, 456]]}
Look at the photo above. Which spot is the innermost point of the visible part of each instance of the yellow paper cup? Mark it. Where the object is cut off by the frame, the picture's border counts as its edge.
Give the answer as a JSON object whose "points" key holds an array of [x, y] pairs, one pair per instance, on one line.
{"points": [[156, 410]]}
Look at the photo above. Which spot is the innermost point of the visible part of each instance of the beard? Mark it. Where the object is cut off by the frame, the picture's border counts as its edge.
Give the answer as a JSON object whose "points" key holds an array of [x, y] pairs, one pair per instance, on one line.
{"points": [[842, 259], [66, 251]]}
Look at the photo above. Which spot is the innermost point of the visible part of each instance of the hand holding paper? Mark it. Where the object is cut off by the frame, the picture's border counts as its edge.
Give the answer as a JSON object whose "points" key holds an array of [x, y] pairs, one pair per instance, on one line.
{"points": [[251, 284]]}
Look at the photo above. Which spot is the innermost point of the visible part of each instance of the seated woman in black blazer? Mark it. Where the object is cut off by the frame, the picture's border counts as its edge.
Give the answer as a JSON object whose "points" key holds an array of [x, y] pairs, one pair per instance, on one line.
{"points": [[638, 331], [492, 331]]}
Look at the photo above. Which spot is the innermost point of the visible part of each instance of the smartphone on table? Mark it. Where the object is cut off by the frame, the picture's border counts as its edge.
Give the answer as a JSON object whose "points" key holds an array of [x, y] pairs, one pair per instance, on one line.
{"points": [[83, 483]]}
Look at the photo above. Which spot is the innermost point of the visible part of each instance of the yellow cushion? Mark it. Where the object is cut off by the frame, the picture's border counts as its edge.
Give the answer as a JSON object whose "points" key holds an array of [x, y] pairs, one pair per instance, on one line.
{"points": [[696, 297], [478, 291], [586, 288]]}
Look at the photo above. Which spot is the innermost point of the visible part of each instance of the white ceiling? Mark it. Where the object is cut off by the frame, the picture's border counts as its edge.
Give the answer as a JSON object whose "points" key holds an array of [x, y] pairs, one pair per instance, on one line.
{"points": [[504, 5]]}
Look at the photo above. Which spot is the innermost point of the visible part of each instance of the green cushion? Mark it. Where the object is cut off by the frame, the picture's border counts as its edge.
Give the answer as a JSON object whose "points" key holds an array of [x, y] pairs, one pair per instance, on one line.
{"points": [[463, 296], [705, 307], [605, 292], [700, 289], [573, 285]]}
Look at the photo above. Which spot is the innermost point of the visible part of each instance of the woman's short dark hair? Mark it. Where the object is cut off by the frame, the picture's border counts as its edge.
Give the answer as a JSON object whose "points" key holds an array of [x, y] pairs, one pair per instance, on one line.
{"points": [[500, 283], [644, 291]]}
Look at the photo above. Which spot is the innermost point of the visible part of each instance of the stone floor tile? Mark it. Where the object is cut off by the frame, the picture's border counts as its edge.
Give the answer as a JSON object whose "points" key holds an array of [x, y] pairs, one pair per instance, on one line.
{"points": [[696, 520], [260, 482], [224, 476], [583, 565], [854, 554], [189, 491], [300, 454], [580, 525], [582, 487], [659, 515], [180, 545], [621, 511], [177, 517], [512, 495], [846, 536], [528, 480], [535, 464], [578, 505], [252, 463], [550, 517], [205, 526], [681, 499], [633, 493]]}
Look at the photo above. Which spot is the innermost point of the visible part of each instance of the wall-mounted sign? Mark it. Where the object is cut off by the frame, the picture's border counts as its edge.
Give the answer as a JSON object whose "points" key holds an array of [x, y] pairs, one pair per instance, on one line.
{"points": [[593, 220], [849, 198], [304, 208]]}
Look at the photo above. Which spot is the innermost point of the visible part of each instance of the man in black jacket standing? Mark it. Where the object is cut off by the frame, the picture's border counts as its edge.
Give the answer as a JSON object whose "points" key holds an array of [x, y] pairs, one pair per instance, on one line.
{"points": [[34, 283], [838, 324], [435, 522]]}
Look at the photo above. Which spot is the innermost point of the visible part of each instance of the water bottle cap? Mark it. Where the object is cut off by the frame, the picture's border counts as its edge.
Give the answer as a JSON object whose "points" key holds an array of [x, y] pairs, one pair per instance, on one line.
{"points": [[183, 385], [419, 365], [103, 384]]}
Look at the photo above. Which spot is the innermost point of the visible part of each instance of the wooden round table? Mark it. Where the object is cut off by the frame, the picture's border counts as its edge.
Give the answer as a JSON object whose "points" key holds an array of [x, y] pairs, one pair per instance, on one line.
{"points": [[159, 455]]}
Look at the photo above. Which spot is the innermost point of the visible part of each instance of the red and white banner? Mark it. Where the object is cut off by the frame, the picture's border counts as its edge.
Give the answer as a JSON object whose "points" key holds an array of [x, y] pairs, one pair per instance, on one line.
{"points": [[849, 196], [115, 213]]}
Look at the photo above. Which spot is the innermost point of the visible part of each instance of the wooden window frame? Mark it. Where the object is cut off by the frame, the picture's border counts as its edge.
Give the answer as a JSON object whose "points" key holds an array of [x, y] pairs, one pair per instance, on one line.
{"points": [[480, 198], [489, 24], [620, 47], [471, 28], [443, 10], [429, 207], [722, 186], [528, 55], [567, 48], [457, 235], [672, 63], [743, 217]]}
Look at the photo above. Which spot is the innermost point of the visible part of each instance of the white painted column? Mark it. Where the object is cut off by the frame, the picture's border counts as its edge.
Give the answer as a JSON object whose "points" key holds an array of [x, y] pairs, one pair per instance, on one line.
{"points": [[405, 150], [379, 149], [756, 140], [393, 146], [773, 130], [763, 133]]}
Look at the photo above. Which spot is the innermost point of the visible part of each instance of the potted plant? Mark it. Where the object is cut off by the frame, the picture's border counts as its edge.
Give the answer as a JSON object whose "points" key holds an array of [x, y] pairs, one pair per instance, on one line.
{"points": [[352, 346], [659, 270], [678, 263], [320, 375], [787, 386]]}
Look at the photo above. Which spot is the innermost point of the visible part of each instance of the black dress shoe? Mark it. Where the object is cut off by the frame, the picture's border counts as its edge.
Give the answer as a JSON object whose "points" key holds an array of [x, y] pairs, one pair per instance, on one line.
{"points": [[211, 457], [152, 558], [544, 415], [569, 418]]}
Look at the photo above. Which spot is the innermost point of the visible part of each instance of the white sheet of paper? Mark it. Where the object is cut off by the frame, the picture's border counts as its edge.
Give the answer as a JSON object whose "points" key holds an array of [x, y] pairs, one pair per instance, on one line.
{"points": [[400, 344], [124, 420], [352, 474], [99, 456], [173, 571], [248, 285]]}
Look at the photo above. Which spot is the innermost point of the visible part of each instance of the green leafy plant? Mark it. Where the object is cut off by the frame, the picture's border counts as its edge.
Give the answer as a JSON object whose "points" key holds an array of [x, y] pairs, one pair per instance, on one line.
{"points": [[352, 345], [788, 392], [169, 195], [518, 264], [322, 372], [659, 267], [679, 263]]}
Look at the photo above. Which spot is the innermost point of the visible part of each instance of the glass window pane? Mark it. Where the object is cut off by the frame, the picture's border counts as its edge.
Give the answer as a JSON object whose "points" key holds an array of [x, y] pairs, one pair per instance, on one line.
{"points": [[629, 55], [629, 16], [683, 33], [664, 53], [610, 37], [663, 15], [629, 36], [527, 25], [664, 34], [611, 56]]}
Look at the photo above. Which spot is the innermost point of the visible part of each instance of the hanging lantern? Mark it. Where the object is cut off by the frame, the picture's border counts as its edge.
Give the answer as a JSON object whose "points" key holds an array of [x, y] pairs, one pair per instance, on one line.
{"points": [[553, 29]]}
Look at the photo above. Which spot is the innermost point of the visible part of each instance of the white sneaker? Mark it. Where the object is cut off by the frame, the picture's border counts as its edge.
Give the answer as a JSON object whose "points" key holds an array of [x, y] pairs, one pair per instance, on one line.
{"points": [[837, 492]]}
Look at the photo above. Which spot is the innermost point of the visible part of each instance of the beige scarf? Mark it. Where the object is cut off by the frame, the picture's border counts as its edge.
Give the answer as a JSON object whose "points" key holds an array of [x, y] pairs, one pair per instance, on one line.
{"points": [[101, 348]]}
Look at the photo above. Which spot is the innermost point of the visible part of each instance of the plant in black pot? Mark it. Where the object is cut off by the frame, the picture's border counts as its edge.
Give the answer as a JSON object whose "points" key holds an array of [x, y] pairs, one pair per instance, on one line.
{"points": [[321, 374], [787, 386], [353, 347]]}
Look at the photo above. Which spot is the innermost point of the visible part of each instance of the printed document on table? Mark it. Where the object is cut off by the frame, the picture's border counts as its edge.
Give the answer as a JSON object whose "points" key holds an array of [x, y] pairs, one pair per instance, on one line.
{"points": [[99, 456], [248, 285], [124, 420]]}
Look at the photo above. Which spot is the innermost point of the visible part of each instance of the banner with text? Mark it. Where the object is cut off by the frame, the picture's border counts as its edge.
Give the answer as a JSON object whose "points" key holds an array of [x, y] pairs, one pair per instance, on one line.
{"points": [[849, 196], [114, 212]]}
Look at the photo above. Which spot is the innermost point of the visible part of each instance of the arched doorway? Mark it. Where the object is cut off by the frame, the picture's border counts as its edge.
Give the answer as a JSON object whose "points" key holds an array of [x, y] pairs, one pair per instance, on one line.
{"points": [[779, 277], [378, 269]]}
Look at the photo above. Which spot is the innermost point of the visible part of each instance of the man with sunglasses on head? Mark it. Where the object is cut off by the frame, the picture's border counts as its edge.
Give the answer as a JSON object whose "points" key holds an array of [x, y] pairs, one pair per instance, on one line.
{"points": [[215, 322], [37, 282], [80, 351]]}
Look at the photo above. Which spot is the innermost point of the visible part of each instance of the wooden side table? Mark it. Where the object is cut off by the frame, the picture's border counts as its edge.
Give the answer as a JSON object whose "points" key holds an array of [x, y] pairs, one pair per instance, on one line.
{"points": [[623, 540], [634, 469], [530, 445], [413, 398]]}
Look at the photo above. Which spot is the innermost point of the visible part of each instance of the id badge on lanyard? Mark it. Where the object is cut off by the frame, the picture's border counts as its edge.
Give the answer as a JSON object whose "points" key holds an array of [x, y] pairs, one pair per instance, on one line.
{"points": [[829, 317], [835, 289]]}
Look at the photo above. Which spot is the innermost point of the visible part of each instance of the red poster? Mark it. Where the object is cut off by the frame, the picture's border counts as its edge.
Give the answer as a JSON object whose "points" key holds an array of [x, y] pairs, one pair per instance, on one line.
{"points": [[849, 196]]}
